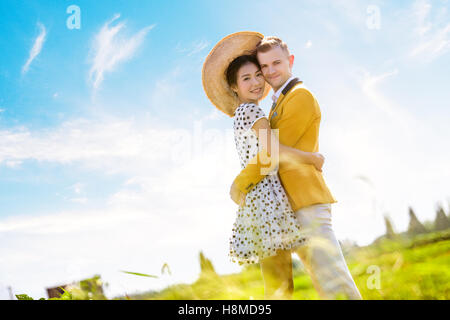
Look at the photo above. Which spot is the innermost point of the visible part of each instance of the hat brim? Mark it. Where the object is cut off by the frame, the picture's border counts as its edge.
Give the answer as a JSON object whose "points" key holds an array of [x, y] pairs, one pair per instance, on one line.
{"points": [[216, 63]]}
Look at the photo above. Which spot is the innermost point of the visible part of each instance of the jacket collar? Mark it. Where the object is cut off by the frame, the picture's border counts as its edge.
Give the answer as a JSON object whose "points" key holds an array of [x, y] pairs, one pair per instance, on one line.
{"points": [[276, 95], [284, 92]]}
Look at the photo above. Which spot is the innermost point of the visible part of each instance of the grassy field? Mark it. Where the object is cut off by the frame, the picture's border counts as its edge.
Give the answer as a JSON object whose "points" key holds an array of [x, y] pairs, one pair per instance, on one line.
{"points": [[403, 268]]}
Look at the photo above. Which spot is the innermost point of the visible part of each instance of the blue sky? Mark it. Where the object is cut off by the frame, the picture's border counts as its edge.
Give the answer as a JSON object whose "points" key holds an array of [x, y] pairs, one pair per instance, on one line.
{"points": [[112, 158]]}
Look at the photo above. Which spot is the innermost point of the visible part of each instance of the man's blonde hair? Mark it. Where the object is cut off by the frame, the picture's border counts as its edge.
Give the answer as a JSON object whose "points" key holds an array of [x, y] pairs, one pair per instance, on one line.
{"points": [[271, 42]]}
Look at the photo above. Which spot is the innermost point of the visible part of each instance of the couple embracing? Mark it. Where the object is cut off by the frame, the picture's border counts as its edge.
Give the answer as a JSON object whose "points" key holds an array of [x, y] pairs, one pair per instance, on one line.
{"points": [[284, 203]]}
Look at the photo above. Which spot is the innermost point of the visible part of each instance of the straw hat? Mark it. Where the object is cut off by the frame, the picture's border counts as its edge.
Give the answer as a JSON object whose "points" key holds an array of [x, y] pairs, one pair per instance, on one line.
{"points": [[214, 68]]}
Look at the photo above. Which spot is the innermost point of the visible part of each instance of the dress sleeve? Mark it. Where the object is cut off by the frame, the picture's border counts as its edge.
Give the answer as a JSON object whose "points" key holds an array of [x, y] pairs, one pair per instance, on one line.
{"points": [[249, 115], [255, 169]]}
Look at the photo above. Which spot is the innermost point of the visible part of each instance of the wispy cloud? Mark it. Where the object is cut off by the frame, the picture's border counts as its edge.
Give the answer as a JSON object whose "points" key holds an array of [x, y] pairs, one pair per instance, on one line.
{"points": [[421, 11], [369, 87], [435, 45], [370, 84], [193, 48], [37, 47], [110, 49], [432, 38], [94, 141]]}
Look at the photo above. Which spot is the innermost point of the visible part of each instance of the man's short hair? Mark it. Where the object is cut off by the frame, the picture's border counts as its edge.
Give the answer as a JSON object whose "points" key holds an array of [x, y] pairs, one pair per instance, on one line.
{"points": [[271, 42]]}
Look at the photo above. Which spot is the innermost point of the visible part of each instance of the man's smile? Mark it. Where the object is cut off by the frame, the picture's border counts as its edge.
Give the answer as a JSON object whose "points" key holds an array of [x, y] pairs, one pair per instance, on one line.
{"points": [[273, 77]]}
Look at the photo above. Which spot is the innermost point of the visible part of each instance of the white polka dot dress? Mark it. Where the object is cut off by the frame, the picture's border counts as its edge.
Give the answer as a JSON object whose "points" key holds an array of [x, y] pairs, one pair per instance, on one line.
{"points": [[266, 223]]}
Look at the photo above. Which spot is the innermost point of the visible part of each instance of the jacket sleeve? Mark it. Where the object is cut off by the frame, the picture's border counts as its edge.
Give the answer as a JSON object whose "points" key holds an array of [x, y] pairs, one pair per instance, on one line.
{"points": [[254, 172]]}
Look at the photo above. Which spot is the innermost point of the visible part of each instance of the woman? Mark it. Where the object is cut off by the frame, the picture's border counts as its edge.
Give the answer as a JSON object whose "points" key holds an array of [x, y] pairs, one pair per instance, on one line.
{"points": [[265, 225]]}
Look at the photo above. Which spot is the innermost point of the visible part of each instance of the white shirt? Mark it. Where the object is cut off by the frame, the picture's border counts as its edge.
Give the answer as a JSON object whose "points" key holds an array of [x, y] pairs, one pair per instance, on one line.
{"points": [[277, 94]]}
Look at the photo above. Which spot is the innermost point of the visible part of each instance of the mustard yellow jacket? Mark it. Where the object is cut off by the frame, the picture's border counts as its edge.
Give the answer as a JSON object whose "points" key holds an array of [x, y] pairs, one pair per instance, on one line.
{"points": [[297, 117]]}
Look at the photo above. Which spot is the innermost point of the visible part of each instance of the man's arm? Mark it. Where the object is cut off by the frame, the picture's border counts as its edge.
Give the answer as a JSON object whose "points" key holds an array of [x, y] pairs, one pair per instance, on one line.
{"points": [[253, 173]]}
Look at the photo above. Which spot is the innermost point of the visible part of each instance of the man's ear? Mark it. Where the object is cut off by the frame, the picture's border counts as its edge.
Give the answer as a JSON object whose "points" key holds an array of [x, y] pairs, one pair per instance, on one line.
{"points": [[291, 61]]}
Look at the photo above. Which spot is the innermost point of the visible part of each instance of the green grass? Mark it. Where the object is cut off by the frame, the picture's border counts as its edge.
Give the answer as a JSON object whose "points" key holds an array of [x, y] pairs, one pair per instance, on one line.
{"points": [[410, 268]]}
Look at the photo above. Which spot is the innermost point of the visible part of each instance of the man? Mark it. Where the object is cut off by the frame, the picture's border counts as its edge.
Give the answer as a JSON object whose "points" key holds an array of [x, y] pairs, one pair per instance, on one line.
{"points": [[296, 114]]}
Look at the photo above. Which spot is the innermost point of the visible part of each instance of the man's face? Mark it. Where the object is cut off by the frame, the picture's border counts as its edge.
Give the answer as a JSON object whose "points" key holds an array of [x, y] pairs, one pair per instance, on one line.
{"points": [[276, 66]]}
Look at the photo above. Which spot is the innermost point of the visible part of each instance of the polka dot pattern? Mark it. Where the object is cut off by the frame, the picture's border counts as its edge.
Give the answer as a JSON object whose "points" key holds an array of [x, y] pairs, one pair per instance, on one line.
{"points": [[266, 223]]}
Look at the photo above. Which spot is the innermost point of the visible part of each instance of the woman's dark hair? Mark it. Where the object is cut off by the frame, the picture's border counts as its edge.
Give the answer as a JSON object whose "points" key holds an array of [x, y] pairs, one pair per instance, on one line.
{"points": [[236, 64]]}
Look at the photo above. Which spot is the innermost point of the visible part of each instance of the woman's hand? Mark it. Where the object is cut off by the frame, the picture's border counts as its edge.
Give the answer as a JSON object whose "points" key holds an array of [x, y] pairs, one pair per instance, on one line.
{"points": [[317, 160], [237, 195]]}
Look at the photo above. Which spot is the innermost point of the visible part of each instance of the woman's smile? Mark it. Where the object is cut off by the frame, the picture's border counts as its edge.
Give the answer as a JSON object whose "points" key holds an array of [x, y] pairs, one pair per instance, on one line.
{"points": [[256, 91]]}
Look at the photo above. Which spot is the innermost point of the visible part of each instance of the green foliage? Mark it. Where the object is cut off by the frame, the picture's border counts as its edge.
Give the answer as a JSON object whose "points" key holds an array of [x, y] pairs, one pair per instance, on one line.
{"points": [[411, 268], [87, 289], [23, 297], [65, 296]]}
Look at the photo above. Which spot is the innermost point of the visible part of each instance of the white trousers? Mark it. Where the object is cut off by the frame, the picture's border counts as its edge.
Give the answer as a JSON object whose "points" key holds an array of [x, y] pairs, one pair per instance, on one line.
{"points": [[322, 257]]}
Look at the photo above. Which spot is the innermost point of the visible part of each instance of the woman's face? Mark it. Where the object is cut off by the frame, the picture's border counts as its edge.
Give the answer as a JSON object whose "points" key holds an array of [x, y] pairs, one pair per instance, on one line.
{"points": [[249, 83]]}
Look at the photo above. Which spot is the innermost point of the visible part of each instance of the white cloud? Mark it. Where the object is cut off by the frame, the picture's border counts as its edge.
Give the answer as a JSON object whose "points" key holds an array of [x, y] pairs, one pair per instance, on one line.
{"points": [[366, 133], [160, 213], [13, 163], [432, 32], [79, 200], [369, 84], [77, 187], [421, 9], [110, 49], [136, 231], [96, 143], [433, 45], [37, 47]]}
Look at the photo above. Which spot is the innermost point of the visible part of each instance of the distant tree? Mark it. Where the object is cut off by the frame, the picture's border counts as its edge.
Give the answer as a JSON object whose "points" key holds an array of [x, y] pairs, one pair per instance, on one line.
{"points": [[428, 224], [390, 233], [347, 245], [441, 222], [448, 213], [415, 227]]}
